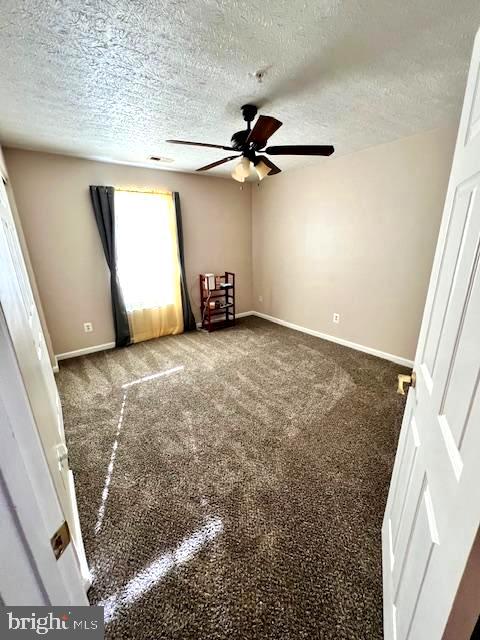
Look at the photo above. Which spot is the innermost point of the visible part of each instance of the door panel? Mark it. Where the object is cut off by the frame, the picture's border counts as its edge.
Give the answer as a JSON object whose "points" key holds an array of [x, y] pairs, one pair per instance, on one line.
{"points": [[30, 510], [433, 509], [456, 233], [422, 537], [408, 470], [463, 369]]}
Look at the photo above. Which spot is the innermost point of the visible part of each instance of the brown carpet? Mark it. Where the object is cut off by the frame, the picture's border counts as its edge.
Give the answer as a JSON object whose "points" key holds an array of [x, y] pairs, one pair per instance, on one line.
{"points": [[237, 491]]}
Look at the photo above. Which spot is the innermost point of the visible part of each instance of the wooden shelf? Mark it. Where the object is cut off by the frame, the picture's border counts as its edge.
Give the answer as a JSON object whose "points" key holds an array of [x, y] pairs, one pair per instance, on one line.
{"points": [[217, 312], [211, 316], [221, 324]]}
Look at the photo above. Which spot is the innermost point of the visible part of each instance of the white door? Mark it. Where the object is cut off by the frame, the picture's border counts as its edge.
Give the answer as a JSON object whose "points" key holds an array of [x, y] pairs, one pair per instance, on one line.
{"points": [[30, 512], [24, 326], [433, 508]]}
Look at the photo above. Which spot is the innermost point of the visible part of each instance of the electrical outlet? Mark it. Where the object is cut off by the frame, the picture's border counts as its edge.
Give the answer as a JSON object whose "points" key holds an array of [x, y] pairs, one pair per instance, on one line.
{"points": [[336, 318], [88, 327], [260, 298]]}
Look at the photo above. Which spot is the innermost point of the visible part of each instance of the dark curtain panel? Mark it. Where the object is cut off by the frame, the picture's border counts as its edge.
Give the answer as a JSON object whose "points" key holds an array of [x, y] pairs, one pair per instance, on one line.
{"points": [[188, 317], [103, 207]]}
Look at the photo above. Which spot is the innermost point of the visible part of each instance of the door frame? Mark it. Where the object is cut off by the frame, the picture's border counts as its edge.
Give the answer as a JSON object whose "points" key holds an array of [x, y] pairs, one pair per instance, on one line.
{"points": [[30, 512]]}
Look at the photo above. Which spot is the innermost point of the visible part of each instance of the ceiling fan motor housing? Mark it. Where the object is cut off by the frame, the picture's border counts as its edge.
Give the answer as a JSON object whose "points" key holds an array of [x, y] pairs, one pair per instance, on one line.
{"points": [[239, 139], [249, 111]]}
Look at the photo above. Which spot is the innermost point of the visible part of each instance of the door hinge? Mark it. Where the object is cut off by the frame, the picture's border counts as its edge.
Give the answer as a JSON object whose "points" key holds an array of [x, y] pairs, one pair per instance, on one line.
{"points": [[60, 540], [62, 456]]}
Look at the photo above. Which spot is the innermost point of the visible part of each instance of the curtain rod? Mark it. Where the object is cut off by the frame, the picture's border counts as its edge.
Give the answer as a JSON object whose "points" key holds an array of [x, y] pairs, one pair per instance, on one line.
{"points": [[152, 191]]}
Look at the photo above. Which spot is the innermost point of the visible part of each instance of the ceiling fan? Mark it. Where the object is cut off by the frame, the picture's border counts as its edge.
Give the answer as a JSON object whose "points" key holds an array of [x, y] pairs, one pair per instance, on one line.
{"points": [[249, 142]]}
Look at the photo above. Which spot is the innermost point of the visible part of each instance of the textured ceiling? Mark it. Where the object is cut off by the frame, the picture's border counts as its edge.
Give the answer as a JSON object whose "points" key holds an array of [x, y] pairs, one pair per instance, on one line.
{"points": [[114, 78]]}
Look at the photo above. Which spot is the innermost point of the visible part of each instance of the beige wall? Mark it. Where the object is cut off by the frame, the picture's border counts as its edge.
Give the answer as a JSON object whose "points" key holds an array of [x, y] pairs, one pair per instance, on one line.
{"points": [[54, 205], [353, 235], [356, 236]]}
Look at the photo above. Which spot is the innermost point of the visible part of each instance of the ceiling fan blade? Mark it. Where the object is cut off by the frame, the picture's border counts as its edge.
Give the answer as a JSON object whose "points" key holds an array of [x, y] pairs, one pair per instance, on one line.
{"points": [[215, 164], [264, 127], [201, 144], [273, 167], [301, 150]]}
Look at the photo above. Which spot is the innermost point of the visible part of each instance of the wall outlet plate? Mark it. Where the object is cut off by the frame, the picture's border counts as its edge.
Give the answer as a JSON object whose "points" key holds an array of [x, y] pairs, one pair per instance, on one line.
{"points": [[260, 298], [88, 327], [336, 318]]}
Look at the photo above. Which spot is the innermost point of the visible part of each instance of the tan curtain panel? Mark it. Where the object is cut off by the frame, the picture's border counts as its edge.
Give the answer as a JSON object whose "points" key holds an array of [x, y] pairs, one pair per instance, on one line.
{"points": [[148, 263], [146, 324]]}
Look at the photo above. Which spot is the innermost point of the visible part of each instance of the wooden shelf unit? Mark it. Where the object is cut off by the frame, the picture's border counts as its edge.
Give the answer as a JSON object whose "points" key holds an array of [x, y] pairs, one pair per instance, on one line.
{"points": [[213, 319]]}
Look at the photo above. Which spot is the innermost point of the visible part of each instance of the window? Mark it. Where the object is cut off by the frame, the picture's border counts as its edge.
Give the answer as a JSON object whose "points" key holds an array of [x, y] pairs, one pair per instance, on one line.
{"points": [[147, 249]]}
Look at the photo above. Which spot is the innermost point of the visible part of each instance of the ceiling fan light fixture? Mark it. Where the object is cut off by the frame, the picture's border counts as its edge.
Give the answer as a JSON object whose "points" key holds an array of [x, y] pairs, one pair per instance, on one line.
{"points": [[236, 175], [262, 169], [243, 167], [242, 170]]}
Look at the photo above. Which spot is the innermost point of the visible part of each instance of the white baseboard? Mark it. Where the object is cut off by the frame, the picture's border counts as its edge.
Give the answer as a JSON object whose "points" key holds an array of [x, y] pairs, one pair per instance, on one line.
{"points": [[111, 345], [84, 352], [346, 343], [55, 366]]}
